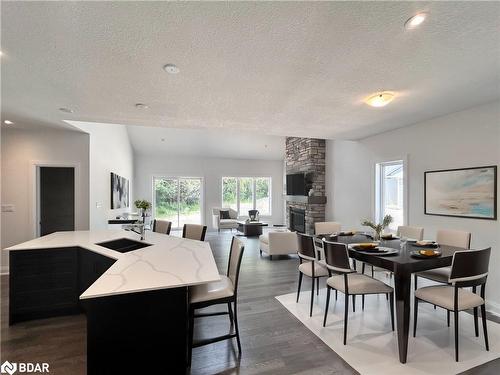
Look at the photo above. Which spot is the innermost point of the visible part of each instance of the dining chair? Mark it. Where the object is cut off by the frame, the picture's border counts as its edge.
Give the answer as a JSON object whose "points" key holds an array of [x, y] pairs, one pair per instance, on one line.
{"points": [[309, 265], [162, 226], [453, 238], [469, 268], [415, 233], [224, 291], [326, 227], [194, 232], [349, 282]]}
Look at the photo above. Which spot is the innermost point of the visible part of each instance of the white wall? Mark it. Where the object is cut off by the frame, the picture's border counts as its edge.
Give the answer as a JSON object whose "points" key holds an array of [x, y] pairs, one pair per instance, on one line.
{"points": [[468, 138], [212, 170], [20, 149], [110, 151]]}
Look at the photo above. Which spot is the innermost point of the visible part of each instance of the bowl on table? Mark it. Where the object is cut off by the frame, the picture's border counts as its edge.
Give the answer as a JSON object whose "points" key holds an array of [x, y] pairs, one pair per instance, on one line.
{"points": [[426, 253], [388, 236], [366, 246], [426, 243]]}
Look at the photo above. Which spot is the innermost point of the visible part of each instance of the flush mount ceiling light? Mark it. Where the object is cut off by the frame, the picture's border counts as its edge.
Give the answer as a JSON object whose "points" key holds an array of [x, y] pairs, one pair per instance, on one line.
{"points": [[416, 20], [8, 122], [380, 99], [171, 68], [66, 110], [141, 106]]}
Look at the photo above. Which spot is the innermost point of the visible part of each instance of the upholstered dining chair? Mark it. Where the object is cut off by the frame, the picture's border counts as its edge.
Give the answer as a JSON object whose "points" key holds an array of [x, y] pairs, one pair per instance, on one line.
{"points": [[349, 282], [309, 265], [415, 233], [468, 269], [453, 238], [326, 227], [162, 226], [224, 291], [194, 232]]}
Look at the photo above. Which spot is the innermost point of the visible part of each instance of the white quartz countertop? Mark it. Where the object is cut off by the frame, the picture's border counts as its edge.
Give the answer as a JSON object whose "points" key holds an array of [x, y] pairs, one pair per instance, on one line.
{"points": [[170, 262]]}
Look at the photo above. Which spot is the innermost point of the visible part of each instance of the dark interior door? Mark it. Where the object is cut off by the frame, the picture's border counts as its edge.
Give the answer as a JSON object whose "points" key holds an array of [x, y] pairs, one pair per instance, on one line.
{"points": [[57, 199]]}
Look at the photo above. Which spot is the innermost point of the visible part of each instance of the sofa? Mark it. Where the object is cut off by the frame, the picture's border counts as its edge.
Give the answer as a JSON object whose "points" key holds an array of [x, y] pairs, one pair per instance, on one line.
{"points": [[278, 243], [218, 223]]}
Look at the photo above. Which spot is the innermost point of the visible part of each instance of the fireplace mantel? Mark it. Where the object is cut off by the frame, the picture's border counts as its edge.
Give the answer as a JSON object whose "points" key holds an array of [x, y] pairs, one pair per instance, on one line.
{"points": [[305, 199]]}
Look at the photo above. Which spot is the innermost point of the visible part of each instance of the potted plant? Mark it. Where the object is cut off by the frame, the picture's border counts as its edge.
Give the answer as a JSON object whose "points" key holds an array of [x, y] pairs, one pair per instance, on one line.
{"points": [[143, 205], [378, 228]]}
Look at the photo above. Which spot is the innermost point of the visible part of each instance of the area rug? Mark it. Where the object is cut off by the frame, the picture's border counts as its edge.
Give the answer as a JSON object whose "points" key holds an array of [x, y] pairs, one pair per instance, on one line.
{"points": [[372, 346]]}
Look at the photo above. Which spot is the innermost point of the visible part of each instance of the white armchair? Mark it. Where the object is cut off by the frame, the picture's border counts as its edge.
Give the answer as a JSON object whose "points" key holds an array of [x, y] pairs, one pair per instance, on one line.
{"points": [[218, 223], [278, 243]]}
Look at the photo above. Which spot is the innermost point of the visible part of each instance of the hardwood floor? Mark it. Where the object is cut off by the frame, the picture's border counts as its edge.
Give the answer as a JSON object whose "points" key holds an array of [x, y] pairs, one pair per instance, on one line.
{"points": [[273, 341]]}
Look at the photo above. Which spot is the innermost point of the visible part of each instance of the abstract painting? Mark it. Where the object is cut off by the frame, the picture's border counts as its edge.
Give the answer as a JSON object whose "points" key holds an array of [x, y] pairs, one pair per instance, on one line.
{"points": [[119, 191], [467, 192]]}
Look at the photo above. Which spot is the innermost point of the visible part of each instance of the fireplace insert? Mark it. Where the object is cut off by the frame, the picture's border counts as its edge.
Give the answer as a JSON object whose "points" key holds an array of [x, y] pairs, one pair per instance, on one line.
{"points": [[297, 220]]}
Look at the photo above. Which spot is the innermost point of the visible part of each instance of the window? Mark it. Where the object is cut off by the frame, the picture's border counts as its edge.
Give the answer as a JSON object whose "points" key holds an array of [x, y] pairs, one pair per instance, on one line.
{"points": [[247, 193], [177, 199], [390, 192]]}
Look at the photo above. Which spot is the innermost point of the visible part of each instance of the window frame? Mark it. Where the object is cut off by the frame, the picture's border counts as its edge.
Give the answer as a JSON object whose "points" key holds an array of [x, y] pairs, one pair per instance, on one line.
{"points": [[254, 195], [379, 191], [178, 178]]}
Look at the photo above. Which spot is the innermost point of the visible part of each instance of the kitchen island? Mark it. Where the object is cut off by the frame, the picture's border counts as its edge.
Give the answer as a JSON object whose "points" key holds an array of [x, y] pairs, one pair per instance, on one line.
{"points": [[134, 293]]}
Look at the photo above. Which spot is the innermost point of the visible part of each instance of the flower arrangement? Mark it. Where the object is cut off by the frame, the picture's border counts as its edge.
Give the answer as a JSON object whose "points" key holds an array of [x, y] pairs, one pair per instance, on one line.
{"points": [[142, 205], [378, 228]]}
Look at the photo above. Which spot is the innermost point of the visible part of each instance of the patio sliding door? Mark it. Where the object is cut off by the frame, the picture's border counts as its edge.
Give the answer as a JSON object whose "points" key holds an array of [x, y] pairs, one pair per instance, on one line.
{"points": [[178, 199]]}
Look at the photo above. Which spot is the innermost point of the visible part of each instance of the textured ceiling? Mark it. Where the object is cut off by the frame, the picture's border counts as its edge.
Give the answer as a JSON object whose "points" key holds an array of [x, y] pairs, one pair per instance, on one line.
{"points": [[270, 67]]}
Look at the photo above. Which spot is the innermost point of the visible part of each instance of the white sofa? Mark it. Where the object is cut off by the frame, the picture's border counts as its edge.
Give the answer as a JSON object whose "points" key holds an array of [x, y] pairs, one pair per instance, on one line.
{"points": [[278, 243], [218, 223]]}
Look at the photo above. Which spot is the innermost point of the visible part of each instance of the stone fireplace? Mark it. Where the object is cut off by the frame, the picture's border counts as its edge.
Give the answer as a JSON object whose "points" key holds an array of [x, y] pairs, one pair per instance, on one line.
{"points": [[306, 155]]}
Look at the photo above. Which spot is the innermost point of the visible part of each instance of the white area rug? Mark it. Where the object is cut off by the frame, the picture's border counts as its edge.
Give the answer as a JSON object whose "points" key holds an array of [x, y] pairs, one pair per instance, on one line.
{"points": [[372, 346]]}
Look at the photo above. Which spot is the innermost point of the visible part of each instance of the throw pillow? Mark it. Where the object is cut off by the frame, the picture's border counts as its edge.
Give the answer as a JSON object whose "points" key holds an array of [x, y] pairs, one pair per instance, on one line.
{"points": [[224, 214]]}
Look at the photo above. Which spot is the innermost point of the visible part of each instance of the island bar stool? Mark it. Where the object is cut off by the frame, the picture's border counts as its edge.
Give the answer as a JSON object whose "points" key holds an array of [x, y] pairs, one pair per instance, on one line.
{"points": [[349, 282], [309, 265], [194, 232], [469, 268], [215, 293], [453, 238], [415, 233], [162, 226]]}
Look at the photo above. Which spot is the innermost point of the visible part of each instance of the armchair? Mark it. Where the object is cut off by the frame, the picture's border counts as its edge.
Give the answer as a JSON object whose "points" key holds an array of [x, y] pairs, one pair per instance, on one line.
{"points": [[218, 223]]}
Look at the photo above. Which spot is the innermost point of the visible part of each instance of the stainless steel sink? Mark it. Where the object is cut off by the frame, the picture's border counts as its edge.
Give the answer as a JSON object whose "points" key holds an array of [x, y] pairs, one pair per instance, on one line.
{"points": [[123, 245]]}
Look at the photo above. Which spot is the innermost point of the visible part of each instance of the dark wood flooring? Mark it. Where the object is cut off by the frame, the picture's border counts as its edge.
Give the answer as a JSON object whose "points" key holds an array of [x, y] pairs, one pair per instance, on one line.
{"points": [[273, 341]]}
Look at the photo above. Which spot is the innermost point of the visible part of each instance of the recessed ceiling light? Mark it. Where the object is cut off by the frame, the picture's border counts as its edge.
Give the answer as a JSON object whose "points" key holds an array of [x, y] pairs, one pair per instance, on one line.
{"points": [[171, 68], [141, 106], [380, 99], [66, 110], [416, 20], [8, 122], [163, 139]]}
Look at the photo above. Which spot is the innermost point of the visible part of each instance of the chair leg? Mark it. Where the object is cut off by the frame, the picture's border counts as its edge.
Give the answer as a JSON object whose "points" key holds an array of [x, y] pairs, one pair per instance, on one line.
{"points": [[236, 327], [372, 272], [456, 334], [327, 303], [317, 286], [363, 302], [387, 296], [191, 336], [335, 294], [353, 303], [230, 310], [415, 314], [346, 313], [391, 302], [363, 268], [260, 252], [312, 298], [415, 281], [476, 325], [448, 317], [300, 284], [270, 257], [485, 331]]}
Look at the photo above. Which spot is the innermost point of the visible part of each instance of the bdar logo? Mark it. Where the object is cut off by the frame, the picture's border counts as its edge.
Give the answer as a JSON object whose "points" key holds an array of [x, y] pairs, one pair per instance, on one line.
{"points": [[8, 368]]}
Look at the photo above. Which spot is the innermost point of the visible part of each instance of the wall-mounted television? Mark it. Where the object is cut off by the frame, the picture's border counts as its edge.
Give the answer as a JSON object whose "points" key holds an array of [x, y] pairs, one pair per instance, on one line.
{"points": [[296, 184]]}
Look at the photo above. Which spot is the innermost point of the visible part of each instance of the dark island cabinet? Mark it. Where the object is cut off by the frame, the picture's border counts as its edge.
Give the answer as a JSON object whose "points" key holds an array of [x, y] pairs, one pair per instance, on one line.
{"points": [[48, 282]]}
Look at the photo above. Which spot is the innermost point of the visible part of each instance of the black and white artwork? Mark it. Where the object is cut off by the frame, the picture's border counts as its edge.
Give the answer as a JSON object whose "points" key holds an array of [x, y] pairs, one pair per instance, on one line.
{"points": [[119, 191]]}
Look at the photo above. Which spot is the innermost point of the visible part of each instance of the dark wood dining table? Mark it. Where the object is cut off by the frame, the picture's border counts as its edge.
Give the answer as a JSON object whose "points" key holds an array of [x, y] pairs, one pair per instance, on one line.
{"points": [[402, 264]]}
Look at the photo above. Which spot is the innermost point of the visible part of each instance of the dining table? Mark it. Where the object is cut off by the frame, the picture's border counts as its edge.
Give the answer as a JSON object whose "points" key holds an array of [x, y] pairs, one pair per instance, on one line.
{"points": [[402, 264]]}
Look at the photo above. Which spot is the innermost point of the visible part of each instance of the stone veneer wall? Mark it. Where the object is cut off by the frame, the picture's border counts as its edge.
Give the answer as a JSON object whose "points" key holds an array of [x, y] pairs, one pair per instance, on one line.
{"points": [[307, 155]]}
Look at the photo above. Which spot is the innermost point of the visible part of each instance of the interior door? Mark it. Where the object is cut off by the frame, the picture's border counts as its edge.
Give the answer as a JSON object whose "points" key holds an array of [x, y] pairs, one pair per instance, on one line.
{"points": [[56, 199]]}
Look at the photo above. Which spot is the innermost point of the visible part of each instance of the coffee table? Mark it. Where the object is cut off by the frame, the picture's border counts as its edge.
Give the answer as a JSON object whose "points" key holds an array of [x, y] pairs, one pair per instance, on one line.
{"points": [[251, 228]]}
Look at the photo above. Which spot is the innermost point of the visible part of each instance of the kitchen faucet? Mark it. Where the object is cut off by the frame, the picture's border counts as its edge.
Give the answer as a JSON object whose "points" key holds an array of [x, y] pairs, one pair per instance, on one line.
{"points": [[136, 228]]}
